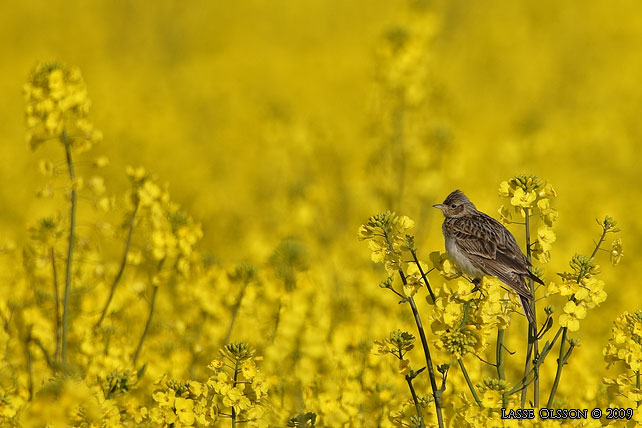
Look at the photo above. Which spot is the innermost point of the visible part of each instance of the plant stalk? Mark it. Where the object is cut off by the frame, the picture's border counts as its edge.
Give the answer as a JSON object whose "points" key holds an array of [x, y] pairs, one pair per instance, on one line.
{"points": [[637, 385], [499, 360], [599, 242], [54, 271], [70, 248], [147, 324], [236, 374], [533, 346], [436, 392], [121, 269], [235, 310], [422, 424], [468, 381], [423, 275], [558, 373], [524, 381]]}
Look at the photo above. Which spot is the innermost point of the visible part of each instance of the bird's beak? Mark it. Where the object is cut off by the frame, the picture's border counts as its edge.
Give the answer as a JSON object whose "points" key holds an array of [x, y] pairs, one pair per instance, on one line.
{"points": [[439, 206]]}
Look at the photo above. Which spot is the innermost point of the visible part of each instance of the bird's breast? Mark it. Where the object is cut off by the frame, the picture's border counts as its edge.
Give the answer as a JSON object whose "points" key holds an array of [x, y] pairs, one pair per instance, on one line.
{"points": [[461, 259]]}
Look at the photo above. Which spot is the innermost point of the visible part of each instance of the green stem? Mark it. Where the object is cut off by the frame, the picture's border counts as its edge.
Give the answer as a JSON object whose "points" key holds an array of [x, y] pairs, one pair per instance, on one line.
{"points": [[121, 269], [436, 392], [236, 374], [524, 381], [29, 363], [52, 256], [599, 242], [70, 249], [470, 384], [235, 310], [499, 360], [423, 275], [147, 324], [558, 373], [533, 345], [422, 424], [499, 354], [637, 384], [45, 354]]}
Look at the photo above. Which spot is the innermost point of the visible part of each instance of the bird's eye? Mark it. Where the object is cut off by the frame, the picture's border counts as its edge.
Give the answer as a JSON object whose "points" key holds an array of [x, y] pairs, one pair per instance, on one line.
{"points": [[453, 206]]}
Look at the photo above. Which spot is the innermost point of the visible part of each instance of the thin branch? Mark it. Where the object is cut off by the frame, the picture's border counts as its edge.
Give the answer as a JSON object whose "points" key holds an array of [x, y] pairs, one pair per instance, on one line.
{"points": [[422, 424], [58, 325], [468, 381], [423, 275], [121, 269], [560, 364], [70, 248], [147, 324]]}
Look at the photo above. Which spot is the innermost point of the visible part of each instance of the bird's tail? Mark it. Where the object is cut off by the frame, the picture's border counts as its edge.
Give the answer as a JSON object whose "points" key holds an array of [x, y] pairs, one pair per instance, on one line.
{"points": [[535, 278], [528, 309]]}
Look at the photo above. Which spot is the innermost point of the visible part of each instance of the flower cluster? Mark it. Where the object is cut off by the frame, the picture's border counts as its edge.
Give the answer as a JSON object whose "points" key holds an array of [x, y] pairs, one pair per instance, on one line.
{"points": [[173, 232], [445, 266], [236, 390], [532, 195], [397, 344], [625, 346], [239, 388], [581, 287], [405, 415], [58, 107], [464, 318], [386, 236], [180, 404]]}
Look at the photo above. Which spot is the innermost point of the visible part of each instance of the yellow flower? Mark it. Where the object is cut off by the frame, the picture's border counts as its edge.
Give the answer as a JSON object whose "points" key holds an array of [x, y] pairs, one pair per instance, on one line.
{"points": [[504, 189], [616, 251], [148, 193], [57, 107], [523, 199], [260, 386], [571, 316], [596, 293], [46, 167], [248, 368], [545, 237], [195, 388], [184, 410], [161, 398], [505, 215], [568, 287], [235, 398], [101, 162], [443, 264], [96, 185], [544, 204], [491, 399], [552, 288], [452, 313]]}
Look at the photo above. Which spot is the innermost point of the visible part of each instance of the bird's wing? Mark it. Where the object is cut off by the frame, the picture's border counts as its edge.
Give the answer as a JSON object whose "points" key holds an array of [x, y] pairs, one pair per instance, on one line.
{"points": [[474, 237], [494, 249]]}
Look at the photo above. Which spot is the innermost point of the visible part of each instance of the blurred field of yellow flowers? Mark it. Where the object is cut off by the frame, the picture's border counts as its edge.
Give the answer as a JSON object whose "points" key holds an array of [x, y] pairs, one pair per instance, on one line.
{"points": [[219, 214]]}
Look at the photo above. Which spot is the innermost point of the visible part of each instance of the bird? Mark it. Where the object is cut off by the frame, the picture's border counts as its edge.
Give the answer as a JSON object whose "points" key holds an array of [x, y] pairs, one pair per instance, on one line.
{"points": [[480, 245]]}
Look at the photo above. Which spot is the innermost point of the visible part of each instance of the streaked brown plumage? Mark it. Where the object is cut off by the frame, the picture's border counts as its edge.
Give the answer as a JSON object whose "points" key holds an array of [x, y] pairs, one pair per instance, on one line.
{"points": [[480, 245]]}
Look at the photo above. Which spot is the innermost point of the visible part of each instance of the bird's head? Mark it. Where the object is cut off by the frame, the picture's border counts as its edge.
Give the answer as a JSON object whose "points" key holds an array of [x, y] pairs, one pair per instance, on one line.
{"points": [[456, 205]]}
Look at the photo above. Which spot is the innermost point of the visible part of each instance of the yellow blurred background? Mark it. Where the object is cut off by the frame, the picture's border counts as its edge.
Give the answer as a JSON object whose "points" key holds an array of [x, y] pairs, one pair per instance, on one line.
{"points": [[303, 118]]}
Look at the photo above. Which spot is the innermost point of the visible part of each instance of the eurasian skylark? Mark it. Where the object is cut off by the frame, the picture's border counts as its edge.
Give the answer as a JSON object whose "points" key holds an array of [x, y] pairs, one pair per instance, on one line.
{"points": [[480, 245]]}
